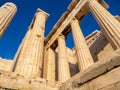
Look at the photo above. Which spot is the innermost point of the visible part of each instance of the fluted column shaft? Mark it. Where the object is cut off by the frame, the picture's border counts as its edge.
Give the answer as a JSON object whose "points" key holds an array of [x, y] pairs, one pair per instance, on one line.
{"points": [[7, 12], [110, 26], [63, 66], [34, 55], [31, 56], [19, 58], [49, 65], [83, 53]]}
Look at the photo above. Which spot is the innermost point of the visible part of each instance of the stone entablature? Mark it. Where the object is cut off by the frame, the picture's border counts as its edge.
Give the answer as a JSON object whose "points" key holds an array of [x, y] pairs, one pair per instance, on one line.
{"points": [[79, 10]]}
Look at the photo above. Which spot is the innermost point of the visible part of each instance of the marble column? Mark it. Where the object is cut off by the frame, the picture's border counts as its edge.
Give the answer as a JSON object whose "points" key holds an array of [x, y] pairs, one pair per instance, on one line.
{"points": [[30, 59], [7, 12], [20, 52], [110, 26], [63, 65], [49, 66], [83, 53]]}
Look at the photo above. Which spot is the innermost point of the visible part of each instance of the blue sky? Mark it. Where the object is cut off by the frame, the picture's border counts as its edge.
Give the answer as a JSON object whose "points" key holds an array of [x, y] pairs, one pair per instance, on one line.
{"points": [[26, 9]]}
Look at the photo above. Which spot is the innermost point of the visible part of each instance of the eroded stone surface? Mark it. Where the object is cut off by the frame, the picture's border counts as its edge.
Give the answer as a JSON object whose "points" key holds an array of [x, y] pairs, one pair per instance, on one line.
{"points": [[94, 63], [100, 73]]}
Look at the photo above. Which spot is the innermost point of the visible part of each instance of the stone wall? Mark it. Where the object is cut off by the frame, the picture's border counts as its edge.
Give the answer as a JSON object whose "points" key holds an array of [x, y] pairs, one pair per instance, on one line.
{"points": [[5, 64], [13, 81], [72, 60], [100, 48]]}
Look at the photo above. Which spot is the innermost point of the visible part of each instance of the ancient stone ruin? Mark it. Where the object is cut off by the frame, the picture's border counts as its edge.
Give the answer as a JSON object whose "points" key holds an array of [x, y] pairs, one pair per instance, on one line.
{"points": [[45, 63]]}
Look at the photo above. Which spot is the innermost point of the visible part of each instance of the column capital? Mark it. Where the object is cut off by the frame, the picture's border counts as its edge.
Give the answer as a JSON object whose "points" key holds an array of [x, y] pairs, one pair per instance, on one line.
{"points": [[10, 4], [41, 12], [61, 36], [92, 0], [74, 20]]}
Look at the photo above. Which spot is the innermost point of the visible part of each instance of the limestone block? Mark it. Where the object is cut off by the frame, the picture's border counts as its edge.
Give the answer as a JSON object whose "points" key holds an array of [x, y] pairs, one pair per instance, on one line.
{"points": [[105, 79], [83, 87], [117, 85], [110, 87], [23, 81], [39, 81], [100, 67], [68, 86], [52, 84], [105, 51], [5, 64], [90, 73], [112, 60]]}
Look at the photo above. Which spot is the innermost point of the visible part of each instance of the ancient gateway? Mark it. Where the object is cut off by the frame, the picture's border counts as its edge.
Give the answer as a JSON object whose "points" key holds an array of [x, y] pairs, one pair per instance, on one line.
{"points": [[45, 63]]}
